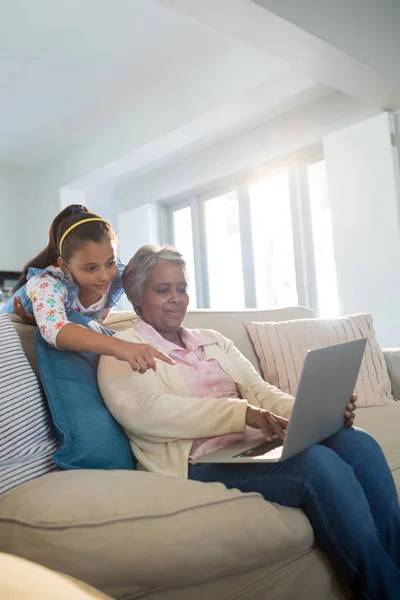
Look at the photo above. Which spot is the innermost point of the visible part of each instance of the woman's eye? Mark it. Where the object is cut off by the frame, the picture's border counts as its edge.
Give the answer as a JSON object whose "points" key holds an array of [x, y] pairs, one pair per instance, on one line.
{"points": [[112, 263], [163, 291], [183, 290], [90, 269]]}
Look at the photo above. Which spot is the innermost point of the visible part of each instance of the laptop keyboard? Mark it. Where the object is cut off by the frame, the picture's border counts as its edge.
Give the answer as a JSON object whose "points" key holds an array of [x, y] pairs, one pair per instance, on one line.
{"points": [[260, 449]]}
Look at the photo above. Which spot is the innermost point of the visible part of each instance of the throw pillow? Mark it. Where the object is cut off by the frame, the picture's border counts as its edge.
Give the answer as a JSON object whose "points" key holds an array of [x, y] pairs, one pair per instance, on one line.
{"points": [[87, 434], [27, 440], [282, 347]]}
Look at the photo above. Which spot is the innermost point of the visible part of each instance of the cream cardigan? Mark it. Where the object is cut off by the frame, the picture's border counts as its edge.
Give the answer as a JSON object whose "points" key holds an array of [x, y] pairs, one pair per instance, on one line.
{"points": [[161, 419]]}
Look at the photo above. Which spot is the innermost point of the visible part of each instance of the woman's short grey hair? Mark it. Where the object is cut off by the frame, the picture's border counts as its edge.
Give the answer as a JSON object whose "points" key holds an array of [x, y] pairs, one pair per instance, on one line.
{"points": [[138, 269]]}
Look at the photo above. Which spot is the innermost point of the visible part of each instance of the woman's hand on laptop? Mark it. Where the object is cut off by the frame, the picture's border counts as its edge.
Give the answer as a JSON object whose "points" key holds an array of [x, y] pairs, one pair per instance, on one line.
{"points": [[349, 414], [266, 421]]}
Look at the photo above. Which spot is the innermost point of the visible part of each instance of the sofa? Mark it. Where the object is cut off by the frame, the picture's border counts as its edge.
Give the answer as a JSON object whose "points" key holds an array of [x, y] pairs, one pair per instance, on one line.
{"points": [[132, 534]]}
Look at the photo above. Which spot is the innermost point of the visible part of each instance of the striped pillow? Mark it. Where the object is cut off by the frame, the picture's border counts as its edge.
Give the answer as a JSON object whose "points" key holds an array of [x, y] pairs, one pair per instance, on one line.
{"points": [[27, 442], [282, 348]]}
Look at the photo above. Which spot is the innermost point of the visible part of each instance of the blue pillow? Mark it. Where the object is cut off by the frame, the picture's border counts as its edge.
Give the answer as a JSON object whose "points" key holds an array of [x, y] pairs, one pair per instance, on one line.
{"points": [[87, 434]]}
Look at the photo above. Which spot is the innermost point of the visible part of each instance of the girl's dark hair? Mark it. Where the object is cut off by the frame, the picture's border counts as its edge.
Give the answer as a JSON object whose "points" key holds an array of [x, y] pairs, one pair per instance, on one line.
{"points": [[93, 231]]}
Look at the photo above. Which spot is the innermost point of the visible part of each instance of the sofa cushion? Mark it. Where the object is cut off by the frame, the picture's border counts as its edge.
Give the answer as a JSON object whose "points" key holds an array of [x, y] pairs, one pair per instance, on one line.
{"points": [[129, 533], [392, 358], [282, 348], [26, 335], [383, 422], [23, 580], [27, 440], [88, 435]]}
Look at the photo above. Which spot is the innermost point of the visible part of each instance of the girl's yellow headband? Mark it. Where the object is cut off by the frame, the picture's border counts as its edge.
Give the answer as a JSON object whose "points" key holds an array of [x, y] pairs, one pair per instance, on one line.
{"points": [[76, 225]]}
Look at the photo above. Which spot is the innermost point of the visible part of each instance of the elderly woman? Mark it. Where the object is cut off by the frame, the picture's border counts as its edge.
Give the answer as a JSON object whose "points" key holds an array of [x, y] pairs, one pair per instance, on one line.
{"points": [[212, 396]]}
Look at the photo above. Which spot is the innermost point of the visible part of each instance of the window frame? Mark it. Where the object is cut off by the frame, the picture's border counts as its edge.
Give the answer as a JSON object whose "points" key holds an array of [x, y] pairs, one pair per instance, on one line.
{"points": [[296, 167]]}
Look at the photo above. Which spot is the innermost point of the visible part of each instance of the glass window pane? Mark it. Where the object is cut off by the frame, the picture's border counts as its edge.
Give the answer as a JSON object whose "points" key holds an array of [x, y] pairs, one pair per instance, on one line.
{"points": [[224, 254], [183, 241], [328, 302], [271, 223]]}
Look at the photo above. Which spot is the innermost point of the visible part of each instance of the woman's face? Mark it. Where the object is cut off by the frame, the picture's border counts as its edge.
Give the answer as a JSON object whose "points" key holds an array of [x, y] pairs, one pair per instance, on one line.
{"points": [[165, 299]]}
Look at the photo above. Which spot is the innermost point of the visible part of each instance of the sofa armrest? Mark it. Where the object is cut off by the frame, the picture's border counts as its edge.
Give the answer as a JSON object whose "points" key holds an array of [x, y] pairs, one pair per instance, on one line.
{"points": [[392, 358]]}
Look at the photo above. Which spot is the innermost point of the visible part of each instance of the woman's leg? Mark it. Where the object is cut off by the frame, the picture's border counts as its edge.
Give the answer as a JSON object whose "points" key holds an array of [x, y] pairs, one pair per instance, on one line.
{"points": [[359, 450], [326, 488]]}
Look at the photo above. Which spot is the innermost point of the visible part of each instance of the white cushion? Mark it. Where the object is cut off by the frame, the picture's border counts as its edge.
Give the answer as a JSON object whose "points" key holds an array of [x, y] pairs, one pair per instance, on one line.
{"points": [[27, 442], [282, 348]]}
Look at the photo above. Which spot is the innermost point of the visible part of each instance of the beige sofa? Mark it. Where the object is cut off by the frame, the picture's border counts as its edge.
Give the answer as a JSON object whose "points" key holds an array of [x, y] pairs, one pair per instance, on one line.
{"points": [[140, 535]]}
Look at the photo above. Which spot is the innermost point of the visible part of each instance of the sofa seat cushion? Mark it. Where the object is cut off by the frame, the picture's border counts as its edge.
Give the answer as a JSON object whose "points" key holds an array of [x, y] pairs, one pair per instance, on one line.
{"points": [[383, 422], [23, 580], [133, 533]]}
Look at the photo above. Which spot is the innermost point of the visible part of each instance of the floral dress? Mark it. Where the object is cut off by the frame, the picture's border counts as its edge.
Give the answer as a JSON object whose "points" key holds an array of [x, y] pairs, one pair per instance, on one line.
{"points": [[51, 295]]}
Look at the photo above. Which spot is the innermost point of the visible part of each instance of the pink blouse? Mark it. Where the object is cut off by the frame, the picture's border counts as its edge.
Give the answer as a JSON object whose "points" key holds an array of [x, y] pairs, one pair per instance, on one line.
{"points": [[203, 378]]}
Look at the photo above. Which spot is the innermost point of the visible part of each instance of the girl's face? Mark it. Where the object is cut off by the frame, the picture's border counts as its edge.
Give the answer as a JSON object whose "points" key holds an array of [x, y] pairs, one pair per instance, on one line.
{"points": [[93, 267]]}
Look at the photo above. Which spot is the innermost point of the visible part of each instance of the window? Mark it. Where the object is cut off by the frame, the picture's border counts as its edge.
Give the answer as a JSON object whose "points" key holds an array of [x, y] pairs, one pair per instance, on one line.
{"points": [[265, 242], [183, 240], [223, 251], [271, 226]]}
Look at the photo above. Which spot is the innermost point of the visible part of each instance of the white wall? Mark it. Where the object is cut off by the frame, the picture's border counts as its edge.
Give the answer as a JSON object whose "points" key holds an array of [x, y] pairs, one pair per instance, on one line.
{"points": [[16, 201], [363, 189], [70, 196], [136, 228], [100, 200]]}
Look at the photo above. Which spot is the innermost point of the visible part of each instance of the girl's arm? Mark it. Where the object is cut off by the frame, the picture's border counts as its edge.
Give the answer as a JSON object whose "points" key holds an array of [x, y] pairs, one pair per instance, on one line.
{"points": [[48, 297], [140, 356]]}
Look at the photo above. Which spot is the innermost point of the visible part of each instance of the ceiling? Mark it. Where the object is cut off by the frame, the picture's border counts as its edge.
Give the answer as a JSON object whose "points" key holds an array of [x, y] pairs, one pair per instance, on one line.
{"points": [[69, 69], [116, 87]]}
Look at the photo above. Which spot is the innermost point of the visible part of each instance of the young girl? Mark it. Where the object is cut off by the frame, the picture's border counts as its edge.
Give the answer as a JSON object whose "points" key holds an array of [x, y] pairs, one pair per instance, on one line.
{"points": [[78, 270]]}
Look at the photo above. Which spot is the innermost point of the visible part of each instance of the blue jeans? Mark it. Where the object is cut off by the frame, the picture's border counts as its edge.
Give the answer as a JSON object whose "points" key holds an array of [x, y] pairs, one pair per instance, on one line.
{"points": [[345, 488]]}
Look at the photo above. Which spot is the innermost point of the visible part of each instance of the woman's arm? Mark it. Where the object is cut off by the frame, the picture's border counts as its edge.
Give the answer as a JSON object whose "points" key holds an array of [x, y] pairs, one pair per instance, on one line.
{"points": [[268, 396], [143, 407]]}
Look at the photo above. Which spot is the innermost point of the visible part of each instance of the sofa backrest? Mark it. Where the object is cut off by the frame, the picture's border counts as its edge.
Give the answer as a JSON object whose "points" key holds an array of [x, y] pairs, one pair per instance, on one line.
{"points": [[229, 323], [26, 335]]}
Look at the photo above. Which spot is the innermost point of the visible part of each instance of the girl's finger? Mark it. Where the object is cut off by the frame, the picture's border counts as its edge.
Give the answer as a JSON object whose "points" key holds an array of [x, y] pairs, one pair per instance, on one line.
{"points": [[133, 363], [150, 360], [142, 365], [162, 356]]}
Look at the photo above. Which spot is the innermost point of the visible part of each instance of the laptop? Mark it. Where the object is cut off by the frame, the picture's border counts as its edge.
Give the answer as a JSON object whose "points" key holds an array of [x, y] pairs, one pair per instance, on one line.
{"points": [[327, 382]]}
